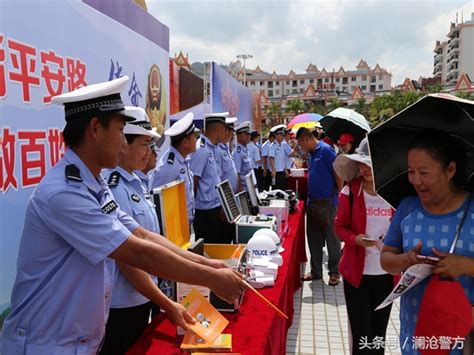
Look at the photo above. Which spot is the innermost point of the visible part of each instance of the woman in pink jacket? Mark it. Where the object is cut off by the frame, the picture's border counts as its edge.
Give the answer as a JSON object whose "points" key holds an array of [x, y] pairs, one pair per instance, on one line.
{"points": [[361, 223]]}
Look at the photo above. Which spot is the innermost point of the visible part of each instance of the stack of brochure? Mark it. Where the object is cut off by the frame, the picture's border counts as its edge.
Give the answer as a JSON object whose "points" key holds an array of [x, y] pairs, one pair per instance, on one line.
{"points": [[206, 333]]}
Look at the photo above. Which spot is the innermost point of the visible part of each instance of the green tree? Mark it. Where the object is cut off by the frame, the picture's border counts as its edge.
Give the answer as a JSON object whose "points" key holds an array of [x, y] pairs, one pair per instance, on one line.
{"points": [[273, 113], [361, 106], [333, 103], [465, 95], [295, 106], [432, 89], [315, 108]]}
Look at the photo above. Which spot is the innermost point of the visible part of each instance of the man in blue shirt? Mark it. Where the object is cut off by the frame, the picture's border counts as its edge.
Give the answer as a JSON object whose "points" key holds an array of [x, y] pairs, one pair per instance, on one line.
{"points": [[174, 163], [323, 187], [266, 169], [74, 229], [207, 220]]}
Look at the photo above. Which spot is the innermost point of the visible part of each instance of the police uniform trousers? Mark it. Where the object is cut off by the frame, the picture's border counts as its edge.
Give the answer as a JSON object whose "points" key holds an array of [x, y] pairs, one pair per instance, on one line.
{"points": [[281, 182], [124, 327], [267, 180], [320, 215], [207, 225], [259, 175], [227, 232]]}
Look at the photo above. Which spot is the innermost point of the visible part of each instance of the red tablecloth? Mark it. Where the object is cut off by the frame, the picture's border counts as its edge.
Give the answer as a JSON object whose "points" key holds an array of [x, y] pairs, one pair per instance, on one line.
{"points": [[255, 328], [302, 182]]}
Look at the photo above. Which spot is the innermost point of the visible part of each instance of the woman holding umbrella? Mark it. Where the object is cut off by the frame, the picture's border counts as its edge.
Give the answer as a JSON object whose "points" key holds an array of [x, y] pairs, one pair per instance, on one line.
{"points": [[362, 217], [426, 225]]}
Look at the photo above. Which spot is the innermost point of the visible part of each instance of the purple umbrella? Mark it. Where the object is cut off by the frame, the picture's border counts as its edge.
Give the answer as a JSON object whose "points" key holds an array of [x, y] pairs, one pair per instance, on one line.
{"points": [[304, 117]]}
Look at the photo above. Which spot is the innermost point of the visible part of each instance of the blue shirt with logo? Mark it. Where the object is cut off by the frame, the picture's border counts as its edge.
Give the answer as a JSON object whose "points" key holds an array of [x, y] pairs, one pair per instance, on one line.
{"points": [[227, 166], [173, 166], [135, 200], [204, 165], [277, 152], [62, 291], [242, 163], [321, 182]]}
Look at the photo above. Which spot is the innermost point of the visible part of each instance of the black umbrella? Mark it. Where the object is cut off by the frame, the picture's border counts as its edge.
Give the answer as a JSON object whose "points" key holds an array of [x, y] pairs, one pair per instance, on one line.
{"points": [[389, 141], [344, 120]]}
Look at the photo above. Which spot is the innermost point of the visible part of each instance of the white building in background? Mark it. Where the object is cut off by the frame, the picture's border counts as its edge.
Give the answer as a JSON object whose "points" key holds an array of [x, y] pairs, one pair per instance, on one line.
{"points": [[455, 55], [440, 60], [280, 86]]}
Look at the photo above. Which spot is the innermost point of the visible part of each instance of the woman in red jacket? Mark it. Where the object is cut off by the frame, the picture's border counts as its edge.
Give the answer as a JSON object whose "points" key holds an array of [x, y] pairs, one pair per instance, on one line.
{"points": [[361, 222]]}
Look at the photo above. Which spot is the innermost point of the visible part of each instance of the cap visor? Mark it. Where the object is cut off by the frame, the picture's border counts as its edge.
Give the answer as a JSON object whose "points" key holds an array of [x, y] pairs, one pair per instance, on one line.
{"points": [[133, 129]]}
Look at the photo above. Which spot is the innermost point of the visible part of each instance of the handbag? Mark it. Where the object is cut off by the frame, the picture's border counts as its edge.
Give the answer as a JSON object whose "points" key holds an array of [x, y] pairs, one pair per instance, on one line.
{"points": [[445, 312]]}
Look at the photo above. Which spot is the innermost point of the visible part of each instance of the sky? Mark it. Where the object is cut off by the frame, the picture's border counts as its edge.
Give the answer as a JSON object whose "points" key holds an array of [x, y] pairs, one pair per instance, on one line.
{"points": [[288, 35]]}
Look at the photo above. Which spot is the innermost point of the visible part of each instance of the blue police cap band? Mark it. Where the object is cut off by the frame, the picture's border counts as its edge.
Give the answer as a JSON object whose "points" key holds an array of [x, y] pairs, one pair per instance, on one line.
{"points": [[94, 107]]}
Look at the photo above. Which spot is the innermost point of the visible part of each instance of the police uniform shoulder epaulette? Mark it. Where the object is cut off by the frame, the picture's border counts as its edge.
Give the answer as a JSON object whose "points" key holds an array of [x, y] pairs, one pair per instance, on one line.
{"points": [[114, 179], [238, 149], [171, 157], [73, 173], [203, 142]]}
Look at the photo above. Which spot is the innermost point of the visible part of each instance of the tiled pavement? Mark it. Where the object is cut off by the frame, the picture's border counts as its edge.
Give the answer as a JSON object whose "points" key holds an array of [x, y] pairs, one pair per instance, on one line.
{"points": [[320, 320]]}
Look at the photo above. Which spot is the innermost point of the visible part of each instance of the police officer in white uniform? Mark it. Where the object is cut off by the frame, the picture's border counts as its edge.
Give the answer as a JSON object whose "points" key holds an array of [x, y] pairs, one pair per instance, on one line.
{"points": [[146, 175], [224, 157], [74, 229], [174, 163], [277, 159], [241, 154], [205, 167], [255, 158], [266, 168], [288, 151], [130, 305]]}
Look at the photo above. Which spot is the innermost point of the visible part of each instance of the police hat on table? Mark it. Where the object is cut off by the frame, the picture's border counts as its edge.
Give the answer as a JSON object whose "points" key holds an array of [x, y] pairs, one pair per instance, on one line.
{"points": [[140, 124], [93, 100], [243, 128], [182, 127], [279, 129], [230, 122], [216, 117]]}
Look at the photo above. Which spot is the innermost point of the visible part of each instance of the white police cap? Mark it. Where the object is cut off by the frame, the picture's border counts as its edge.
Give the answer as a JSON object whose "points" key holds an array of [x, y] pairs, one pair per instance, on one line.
{"points": [[278, 129], [243, 128], [230, 122], [93, 100], [140, 124], [182, 127], [216, 117]]}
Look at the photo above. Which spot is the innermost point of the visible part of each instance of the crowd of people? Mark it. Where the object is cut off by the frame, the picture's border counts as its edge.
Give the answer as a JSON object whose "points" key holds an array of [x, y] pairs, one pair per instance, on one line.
{"points": [[92, 261]]}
